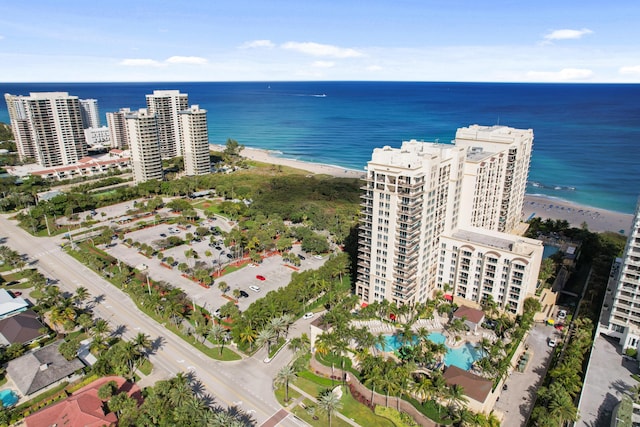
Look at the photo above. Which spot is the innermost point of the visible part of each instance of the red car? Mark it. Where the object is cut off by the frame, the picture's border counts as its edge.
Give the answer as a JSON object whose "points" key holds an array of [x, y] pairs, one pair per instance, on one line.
{"points": [[261, 278], [17, 293]]}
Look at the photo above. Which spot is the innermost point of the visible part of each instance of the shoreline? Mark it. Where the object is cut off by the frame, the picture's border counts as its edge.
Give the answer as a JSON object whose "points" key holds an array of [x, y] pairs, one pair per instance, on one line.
{"points": [[545, 207]]}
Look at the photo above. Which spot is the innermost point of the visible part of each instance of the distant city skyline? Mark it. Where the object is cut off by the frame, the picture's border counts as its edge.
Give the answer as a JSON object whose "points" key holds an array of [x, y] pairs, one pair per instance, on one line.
{"points": [[249, 40]]}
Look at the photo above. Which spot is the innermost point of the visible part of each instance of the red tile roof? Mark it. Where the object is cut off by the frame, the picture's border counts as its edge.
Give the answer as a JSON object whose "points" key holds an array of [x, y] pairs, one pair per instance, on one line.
{"points": [[83, 408]]}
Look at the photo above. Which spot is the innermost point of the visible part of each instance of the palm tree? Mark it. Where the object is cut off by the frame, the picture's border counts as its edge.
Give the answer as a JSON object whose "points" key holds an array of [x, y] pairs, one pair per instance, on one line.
{"points": [[423, 389], [100, 327], [300, 344], [218, 333], [328, 402], [82, 294], [277, 324], [98, 344], [248, 335], [563, 410], [285, 374], [265, 336], [455, 396], [142, 342]]}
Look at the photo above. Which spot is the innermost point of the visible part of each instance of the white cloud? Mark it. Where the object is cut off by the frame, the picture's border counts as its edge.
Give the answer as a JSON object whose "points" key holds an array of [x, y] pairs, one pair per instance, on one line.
{"points": [[141, 62], [317, 49], [323, 64], [257, 44], [374, 68], [566, 74], [566, 34], [194, 60], [635, 69], [1, 37]]}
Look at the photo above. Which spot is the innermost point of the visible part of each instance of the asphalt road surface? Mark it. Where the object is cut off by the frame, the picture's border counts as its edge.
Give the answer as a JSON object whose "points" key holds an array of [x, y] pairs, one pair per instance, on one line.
{"points": [[246, 384]]}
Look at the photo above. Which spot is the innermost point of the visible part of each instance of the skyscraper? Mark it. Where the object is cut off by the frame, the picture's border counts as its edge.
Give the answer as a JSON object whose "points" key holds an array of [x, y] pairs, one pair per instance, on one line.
{"points": [[90, 113], [422, 212], [496, 175], [118, 128], [624, 313], [411, 197], [146, 160], [47, 127], [166, 106], [195, 141]]}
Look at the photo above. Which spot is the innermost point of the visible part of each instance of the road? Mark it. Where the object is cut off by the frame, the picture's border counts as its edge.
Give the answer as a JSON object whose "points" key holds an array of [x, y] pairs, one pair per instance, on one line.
{"points": [[246, 384]]}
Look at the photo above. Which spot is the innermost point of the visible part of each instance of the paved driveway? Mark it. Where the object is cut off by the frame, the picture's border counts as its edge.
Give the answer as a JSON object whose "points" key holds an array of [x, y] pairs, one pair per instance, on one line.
{"points": [[516, 402]]}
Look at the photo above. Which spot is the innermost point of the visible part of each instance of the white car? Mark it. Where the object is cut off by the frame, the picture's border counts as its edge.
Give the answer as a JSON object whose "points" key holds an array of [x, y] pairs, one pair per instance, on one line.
{"points": [[562, 314], [317, 256], [308, 315], [254, 288], [552, 342]]}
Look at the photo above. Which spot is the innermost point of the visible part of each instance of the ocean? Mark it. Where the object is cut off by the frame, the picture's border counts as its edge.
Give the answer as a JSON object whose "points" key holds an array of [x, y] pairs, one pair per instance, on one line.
{"points": [[585, 134]]}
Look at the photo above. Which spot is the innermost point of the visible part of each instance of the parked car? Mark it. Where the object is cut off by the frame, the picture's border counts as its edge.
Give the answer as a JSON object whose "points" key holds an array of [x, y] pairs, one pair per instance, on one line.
{"points": [[317, 256], [261, 278], [244, 294], [163, 235], [229, 256], [17, 293], [562, 314], [552, 342], [301, 257], [254, 288], [308, 315]]}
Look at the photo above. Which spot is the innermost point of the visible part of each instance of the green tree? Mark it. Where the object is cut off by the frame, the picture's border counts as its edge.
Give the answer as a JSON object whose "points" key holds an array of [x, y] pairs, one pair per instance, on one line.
{"points": [[69, 349], [328, 402], [286, 374]]}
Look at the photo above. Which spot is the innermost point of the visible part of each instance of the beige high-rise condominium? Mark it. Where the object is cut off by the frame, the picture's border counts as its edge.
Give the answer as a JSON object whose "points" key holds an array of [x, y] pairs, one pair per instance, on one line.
{"points": [[166, 105], [146, 160], [496, 175], [47, 127], [117, 125], [432, 218], [195, 141]]}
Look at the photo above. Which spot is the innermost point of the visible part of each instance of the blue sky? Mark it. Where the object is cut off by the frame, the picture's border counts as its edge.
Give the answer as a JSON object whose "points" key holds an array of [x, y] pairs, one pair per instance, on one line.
{"points": [[270, 40]]}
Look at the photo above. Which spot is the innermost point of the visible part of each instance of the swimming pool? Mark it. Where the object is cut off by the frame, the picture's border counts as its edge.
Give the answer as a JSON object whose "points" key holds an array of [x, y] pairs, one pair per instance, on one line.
{"points": [[462, 357], [8, 397], [548, 250]]}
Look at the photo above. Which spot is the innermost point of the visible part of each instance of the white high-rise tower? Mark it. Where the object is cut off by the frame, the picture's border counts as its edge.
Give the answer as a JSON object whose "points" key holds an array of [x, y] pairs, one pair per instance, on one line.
{"points": [[195, 141], [48, 127], [166, 105], [146, 160]]}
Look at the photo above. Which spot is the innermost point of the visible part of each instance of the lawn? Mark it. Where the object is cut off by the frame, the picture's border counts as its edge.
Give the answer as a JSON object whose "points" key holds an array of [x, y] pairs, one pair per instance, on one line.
{"points": [[362, 415], [312, 388], [293, 395]]}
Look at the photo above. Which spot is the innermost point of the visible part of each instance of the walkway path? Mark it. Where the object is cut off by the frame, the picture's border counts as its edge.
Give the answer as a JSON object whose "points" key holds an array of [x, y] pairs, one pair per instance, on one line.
{"points": [[313, 399]]}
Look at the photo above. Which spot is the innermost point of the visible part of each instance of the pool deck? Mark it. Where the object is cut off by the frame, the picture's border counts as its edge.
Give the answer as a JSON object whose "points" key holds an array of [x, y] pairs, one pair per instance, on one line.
{"points": [[435, 324]]}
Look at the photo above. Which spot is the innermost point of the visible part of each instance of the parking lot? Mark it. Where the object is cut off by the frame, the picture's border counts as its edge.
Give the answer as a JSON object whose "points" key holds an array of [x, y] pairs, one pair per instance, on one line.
{"points": [[276, 274]]}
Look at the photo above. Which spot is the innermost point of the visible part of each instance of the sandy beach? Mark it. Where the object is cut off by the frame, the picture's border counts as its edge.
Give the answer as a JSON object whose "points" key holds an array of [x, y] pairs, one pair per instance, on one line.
{"points": [[539, 206]]}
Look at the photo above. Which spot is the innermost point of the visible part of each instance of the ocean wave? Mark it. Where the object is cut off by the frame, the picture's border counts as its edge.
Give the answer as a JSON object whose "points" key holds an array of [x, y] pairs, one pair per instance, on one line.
{"points": [[551, 187]]}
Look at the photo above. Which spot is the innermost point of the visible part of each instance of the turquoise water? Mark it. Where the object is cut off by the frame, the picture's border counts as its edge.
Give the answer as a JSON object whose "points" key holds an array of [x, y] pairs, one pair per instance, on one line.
{"points": [[8, 397], [549, 250], [462, 357]]}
